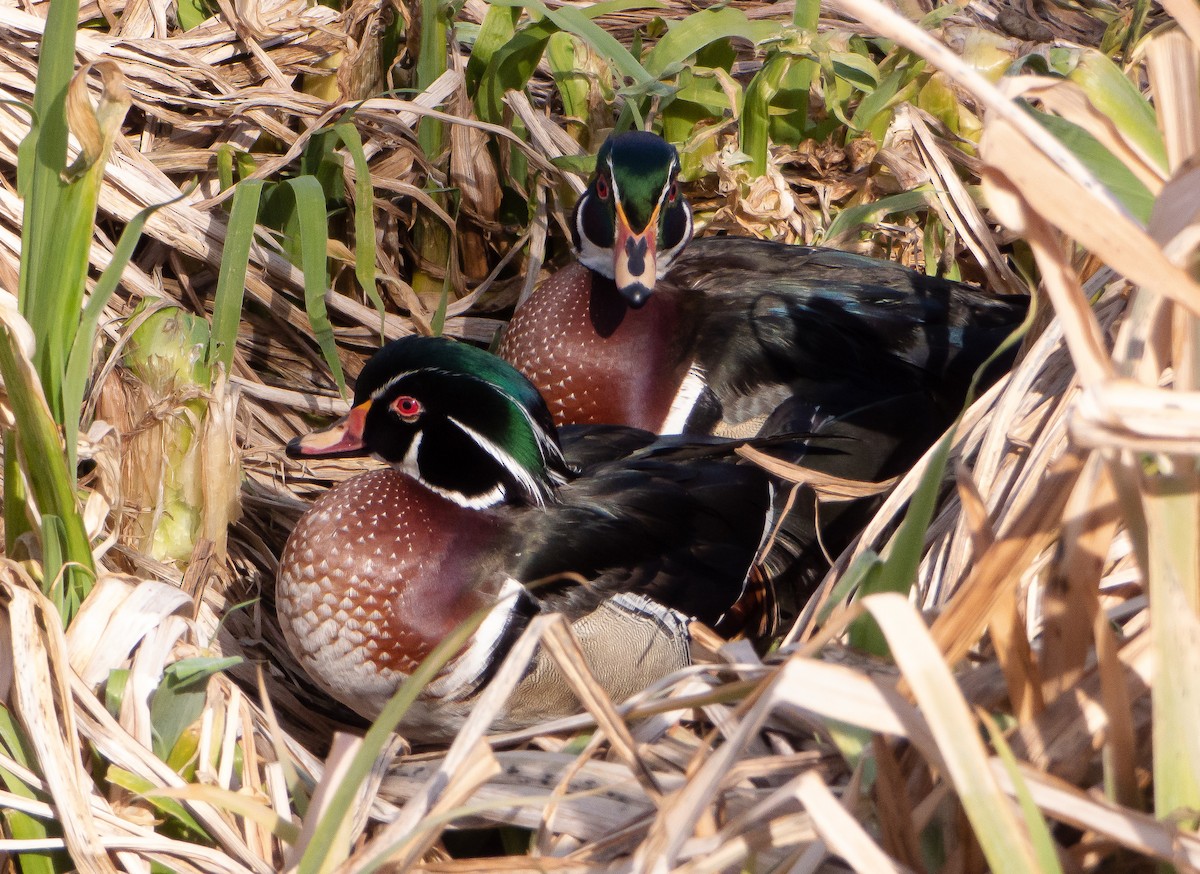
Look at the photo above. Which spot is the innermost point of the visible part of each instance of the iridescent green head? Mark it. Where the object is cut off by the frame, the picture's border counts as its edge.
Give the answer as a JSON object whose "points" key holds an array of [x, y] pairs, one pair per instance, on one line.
{"points": [[460, 420], [632, 221]]}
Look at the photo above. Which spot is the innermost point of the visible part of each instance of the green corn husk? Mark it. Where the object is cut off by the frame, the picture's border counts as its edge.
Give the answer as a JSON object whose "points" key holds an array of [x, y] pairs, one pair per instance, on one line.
{"points": [[181, 470]]}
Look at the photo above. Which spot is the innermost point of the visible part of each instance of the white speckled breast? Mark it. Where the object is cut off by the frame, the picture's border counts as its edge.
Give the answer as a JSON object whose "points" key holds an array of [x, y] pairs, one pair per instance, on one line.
{"points": [[374, 575], [594, 359]]}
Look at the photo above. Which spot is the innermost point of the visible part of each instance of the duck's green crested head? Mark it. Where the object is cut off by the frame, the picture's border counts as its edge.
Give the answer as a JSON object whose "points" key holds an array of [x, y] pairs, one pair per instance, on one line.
{"points": [[461, 421], [632, 221]]}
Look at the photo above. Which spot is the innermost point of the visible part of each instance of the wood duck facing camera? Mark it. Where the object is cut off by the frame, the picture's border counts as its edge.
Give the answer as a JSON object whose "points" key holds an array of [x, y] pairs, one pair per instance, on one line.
{"points": [[740, 337]]}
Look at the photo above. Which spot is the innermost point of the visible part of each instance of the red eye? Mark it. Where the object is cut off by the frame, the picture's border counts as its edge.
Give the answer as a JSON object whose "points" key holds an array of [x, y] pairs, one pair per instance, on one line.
{"points": [[407, 407], [602, 188], [673, 192]]}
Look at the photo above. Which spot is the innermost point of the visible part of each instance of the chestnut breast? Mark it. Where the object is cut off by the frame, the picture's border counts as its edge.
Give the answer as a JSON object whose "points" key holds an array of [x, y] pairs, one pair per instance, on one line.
{"points": [[594, 358], [374, 575]]}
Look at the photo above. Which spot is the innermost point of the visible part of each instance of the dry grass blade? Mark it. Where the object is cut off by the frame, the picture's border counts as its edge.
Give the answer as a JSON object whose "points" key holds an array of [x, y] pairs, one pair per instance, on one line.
{"points": [[113, 619], [1027, 535], [118, 747], [1002, 835], [1090, 524], [1130, 828], [834, 488], [42, 702], [841, 832]]}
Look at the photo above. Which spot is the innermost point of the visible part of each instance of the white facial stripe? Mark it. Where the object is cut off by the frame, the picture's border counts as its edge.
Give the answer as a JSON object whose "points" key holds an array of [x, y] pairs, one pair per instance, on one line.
{"points": [[612, 180], [391, 382], [532, 487], [549, 448]]}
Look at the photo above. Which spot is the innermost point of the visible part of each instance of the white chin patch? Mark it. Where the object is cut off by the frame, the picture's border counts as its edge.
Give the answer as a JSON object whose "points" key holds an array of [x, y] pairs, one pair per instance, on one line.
{"points": [[595, 257]]}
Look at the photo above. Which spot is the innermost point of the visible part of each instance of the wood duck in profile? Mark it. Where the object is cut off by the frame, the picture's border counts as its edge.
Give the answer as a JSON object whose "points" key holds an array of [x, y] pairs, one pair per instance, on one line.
{"points": [[738, 337], [483, 499]]}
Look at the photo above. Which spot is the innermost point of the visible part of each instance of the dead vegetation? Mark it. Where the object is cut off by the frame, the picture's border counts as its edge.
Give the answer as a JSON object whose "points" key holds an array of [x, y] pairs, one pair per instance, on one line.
{"points": [[1038, 710]]}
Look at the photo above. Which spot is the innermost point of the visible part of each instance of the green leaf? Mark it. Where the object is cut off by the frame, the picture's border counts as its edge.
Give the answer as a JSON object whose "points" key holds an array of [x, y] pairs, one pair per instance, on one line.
{"points": [[192, 13], [1111, 92], [687, 37], [77, 374], [938, 99], [314, 237], [42, 458], [856, 69], [179, 699], [882, 98], [792, 126], [499, 26], [899, 569], [139, 785], [114, 690], [852, 218], [756, 115], [511, 68], [1039, 832], [231, 281], [54, 549], [364, 220], [576, 21], [573, 84], [20, 825], [431, 63], [1110, 170]]}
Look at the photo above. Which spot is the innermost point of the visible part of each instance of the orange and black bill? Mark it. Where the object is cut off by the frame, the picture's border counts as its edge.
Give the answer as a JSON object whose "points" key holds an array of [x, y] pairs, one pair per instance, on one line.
{"points": [[343, 438], [635, 262]]}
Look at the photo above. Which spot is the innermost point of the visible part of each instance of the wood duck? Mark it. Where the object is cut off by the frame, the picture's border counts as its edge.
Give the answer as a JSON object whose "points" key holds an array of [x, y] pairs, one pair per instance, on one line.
{"points": [[738, 337], [482, 499]]}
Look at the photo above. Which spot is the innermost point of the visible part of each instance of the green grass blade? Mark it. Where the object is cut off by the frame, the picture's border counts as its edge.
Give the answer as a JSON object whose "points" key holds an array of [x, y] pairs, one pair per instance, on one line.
{"points": [[364, 219], [687, 37], [791, 125], [44, 461], [76, 377], [431, 63], [54, 560], [16, 519], [60, 219], [899, 568], [851, 219], [573, 85], [576, 21], [139, 785], [510, 69], [1106, 166], [756, 112], [46, 146], [498, 28], [872, 113], [20, 825], [179, 699], [231, 281], [314, 237], [1111, 92], [1039, 832]]}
